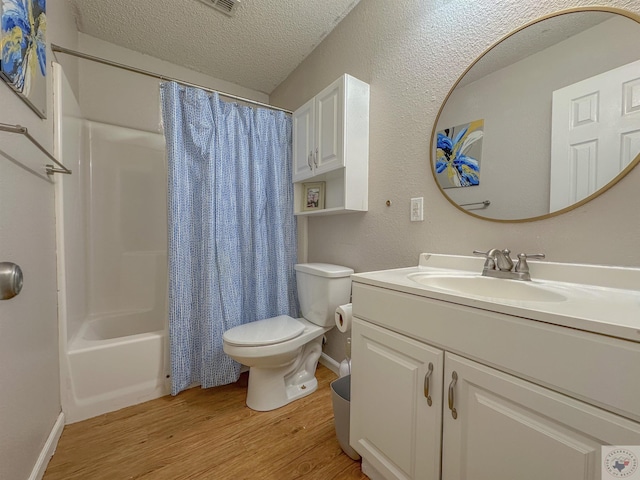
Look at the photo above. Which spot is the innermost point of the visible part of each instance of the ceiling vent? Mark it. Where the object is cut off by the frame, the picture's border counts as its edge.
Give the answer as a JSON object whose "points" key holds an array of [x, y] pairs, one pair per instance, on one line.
{"points": [[228, 7]]}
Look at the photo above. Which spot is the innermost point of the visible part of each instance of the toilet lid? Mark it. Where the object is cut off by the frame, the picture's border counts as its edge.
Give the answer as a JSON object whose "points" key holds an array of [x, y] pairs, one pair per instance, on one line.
{"points": [[264, 332]]}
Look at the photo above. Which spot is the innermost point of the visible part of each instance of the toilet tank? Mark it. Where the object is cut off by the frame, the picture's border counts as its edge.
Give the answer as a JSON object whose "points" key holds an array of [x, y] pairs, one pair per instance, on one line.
{"points": [[322, 287]]}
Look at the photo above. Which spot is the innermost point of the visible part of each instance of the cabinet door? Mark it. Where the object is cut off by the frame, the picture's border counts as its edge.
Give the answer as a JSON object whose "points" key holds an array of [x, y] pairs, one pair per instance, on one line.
{"points": [[303, 141], [329, 152], [509, 428], [392, 424]]}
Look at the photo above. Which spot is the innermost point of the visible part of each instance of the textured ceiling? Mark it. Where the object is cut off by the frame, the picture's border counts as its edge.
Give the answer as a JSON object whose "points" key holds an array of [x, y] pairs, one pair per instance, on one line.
{"points": [[257, 48]]}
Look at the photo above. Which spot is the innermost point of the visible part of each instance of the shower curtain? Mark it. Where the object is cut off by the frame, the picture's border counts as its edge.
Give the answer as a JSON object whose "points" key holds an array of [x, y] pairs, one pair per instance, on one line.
{"points": [[232, 233]]}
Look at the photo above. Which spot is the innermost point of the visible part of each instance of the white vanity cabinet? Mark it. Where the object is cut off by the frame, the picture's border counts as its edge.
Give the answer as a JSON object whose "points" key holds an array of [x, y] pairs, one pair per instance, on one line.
{"points": [[393, 421], [509, 428], [331, 145], [495, 372]]}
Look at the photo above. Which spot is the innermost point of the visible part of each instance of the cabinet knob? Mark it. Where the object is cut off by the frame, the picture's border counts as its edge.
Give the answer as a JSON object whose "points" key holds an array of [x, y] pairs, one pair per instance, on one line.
{"points": [[454, 380], [309, 160], [427, 378]]}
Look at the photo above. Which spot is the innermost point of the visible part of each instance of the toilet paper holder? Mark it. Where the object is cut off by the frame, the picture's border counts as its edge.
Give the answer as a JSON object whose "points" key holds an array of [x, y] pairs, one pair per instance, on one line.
{"points": [[343, 317]]}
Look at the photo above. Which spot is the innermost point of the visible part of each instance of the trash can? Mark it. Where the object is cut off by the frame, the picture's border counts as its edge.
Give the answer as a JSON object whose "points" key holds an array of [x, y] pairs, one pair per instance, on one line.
{"points": [[341, 398]]}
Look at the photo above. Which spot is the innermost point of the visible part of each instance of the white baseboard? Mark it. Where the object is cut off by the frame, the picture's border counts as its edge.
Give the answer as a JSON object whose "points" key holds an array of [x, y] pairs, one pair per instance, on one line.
{"points": [[48, 450], [330, 363]]}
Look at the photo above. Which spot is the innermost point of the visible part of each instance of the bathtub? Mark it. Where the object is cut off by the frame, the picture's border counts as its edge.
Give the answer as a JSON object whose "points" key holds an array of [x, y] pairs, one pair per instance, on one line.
{"points": [[111, 236], [115, 361]]}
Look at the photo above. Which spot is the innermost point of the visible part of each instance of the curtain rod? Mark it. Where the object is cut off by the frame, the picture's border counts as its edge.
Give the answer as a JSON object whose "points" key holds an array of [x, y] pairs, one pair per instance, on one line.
{"points": [[57, 48]]}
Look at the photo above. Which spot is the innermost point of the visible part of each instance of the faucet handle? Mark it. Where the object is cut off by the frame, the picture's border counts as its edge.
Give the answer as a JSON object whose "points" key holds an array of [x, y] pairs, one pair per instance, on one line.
{"points": [[523, 266]]}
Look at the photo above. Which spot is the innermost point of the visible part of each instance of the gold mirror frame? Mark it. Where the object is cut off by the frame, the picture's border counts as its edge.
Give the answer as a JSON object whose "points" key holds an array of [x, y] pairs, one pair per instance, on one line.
{"points": [[616, 179]]}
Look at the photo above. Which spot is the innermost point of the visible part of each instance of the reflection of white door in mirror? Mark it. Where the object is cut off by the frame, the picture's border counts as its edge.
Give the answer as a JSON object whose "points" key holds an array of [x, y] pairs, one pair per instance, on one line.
{"points": [[595, 133]]}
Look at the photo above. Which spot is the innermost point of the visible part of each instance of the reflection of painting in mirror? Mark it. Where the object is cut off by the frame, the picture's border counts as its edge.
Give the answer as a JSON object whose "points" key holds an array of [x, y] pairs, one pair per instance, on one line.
{"points": [[458, 154], [511, 87]]}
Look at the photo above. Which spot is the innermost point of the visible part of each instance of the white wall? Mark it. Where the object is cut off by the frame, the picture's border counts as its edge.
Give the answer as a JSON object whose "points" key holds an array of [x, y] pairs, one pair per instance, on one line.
{"points": [[119, 97], [30, 396], [411, 56]]}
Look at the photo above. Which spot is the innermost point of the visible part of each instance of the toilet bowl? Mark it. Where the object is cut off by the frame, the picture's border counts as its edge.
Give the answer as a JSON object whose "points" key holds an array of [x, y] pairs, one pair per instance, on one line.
{"points": [[282, 352]]}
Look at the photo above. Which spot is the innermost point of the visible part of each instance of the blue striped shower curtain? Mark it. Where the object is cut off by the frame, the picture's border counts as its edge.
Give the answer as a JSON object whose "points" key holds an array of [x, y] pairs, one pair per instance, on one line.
{"points": [[232, 233]]}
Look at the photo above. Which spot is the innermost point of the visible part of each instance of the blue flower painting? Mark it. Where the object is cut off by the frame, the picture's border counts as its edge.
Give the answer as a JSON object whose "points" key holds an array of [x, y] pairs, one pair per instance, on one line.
{"points": [[458, 153], [23, 60]]}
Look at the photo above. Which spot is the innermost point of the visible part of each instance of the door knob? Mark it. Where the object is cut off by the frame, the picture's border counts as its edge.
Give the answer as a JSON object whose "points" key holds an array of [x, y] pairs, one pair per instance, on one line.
{"points": [[10, 280]]}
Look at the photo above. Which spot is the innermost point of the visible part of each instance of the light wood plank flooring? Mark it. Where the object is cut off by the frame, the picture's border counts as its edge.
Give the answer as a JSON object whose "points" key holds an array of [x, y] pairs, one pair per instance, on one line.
{"points": [[208, 434]]}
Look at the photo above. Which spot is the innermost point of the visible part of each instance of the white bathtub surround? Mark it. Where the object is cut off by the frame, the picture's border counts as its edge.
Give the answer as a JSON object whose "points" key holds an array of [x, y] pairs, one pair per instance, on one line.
{"points": [[111, 234]]}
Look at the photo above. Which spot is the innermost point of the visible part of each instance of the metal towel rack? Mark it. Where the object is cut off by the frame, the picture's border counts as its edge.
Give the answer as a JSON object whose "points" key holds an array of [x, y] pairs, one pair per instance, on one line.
{"points": [[484, 203], [50, 169]]}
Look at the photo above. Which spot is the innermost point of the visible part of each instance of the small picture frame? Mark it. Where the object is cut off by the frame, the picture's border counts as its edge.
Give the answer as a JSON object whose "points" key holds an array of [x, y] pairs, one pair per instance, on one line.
{"points": [[313, 196]]}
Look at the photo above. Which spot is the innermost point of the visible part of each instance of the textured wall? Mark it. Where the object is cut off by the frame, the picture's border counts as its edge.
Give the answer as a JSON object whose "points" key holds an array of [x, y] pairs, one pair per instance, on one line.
{"points": [[29, 373], [411, 53]]}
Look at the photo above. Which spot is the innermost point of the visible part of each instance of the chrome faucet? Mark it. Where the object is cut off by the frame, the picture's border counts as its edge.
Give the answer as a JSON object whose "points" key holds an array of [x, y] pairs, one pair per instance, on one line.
{"points": [[498, 264]]}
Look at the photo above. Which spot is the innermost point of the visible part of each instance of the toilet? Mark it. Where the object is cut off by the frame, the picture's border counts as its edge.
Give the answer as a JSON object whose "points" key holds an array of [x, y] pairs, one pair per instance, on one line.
{"points": [[282, 352]]}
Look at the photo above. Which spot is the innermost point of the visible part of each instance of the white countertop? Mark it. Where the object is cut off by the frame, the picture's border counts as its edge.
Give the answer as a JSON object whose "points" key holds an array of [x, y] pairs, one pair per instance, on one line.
{"points": [[599, 299]]}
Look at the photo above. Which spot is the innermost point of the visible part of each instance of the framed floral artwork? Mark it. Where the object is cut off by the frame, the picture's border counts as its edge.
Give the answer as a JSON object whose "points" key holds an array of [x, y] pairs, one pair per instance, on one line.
{"points": [[23, 50], [458, 155]]}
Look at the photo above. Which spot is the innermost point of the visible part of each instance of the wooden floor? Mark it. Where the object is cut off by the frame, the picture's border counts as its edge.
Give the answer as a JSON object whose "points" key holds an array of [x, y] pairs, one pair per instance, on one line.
{"points": [[208, 434]]}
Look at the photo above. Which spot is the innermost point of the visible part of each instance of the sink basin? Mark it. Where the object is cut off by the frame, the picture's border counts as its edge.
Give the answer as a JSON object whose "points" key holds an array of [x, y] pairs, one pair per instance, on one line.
{"points": [[593, 298], [479, 286]]}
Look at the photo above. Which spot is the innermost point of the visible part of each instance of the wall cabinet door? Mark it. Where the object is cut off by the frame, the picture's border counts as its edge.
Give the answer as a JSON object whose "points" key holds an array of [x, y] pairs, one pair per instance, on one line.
{"points": [[318, 133], [509, 428], [329, 117], [393, 424], [303, 127]]}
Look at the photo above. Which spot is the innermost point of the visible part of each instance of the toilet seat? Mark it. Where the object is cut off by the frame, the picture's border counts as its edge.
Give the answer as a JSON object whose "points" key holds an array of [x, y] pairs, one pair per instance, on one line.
{"points": [[264, 332]]}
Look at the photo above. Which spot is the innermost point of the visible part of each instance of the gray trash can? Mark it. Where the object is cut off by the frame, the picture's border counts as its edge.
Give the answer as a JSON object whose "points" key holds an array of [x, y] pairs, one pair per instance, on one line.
{"points": [[341, 398]]}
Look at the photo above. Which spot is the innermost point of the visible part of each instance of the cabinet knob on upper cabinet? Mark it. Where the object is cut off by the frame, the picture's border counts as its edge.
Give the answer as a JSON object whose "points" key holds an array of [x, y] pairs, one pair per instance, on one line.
{"points": [[454, 380], [309, 160]]}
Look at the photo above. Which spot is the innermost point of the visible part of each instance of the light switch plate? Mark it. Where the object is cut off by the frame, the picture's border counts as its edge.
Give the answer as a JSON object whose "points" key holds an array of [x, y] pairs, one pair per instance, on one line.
{"points": [[417, 212]]}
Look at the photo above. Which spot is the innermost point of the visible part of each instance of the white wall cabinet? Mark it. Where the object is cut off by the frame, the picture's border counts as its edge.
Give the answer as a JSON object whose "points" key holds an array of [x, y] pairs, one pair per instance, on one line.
{"points": [[505, 427], [331, 145]]}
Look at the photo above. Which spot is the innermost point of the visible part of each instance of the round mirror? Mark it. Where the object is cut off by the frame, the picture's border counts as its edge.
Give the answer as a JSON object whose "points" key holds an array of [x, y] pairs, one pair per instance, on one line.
{"points": [[547, 119]]}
